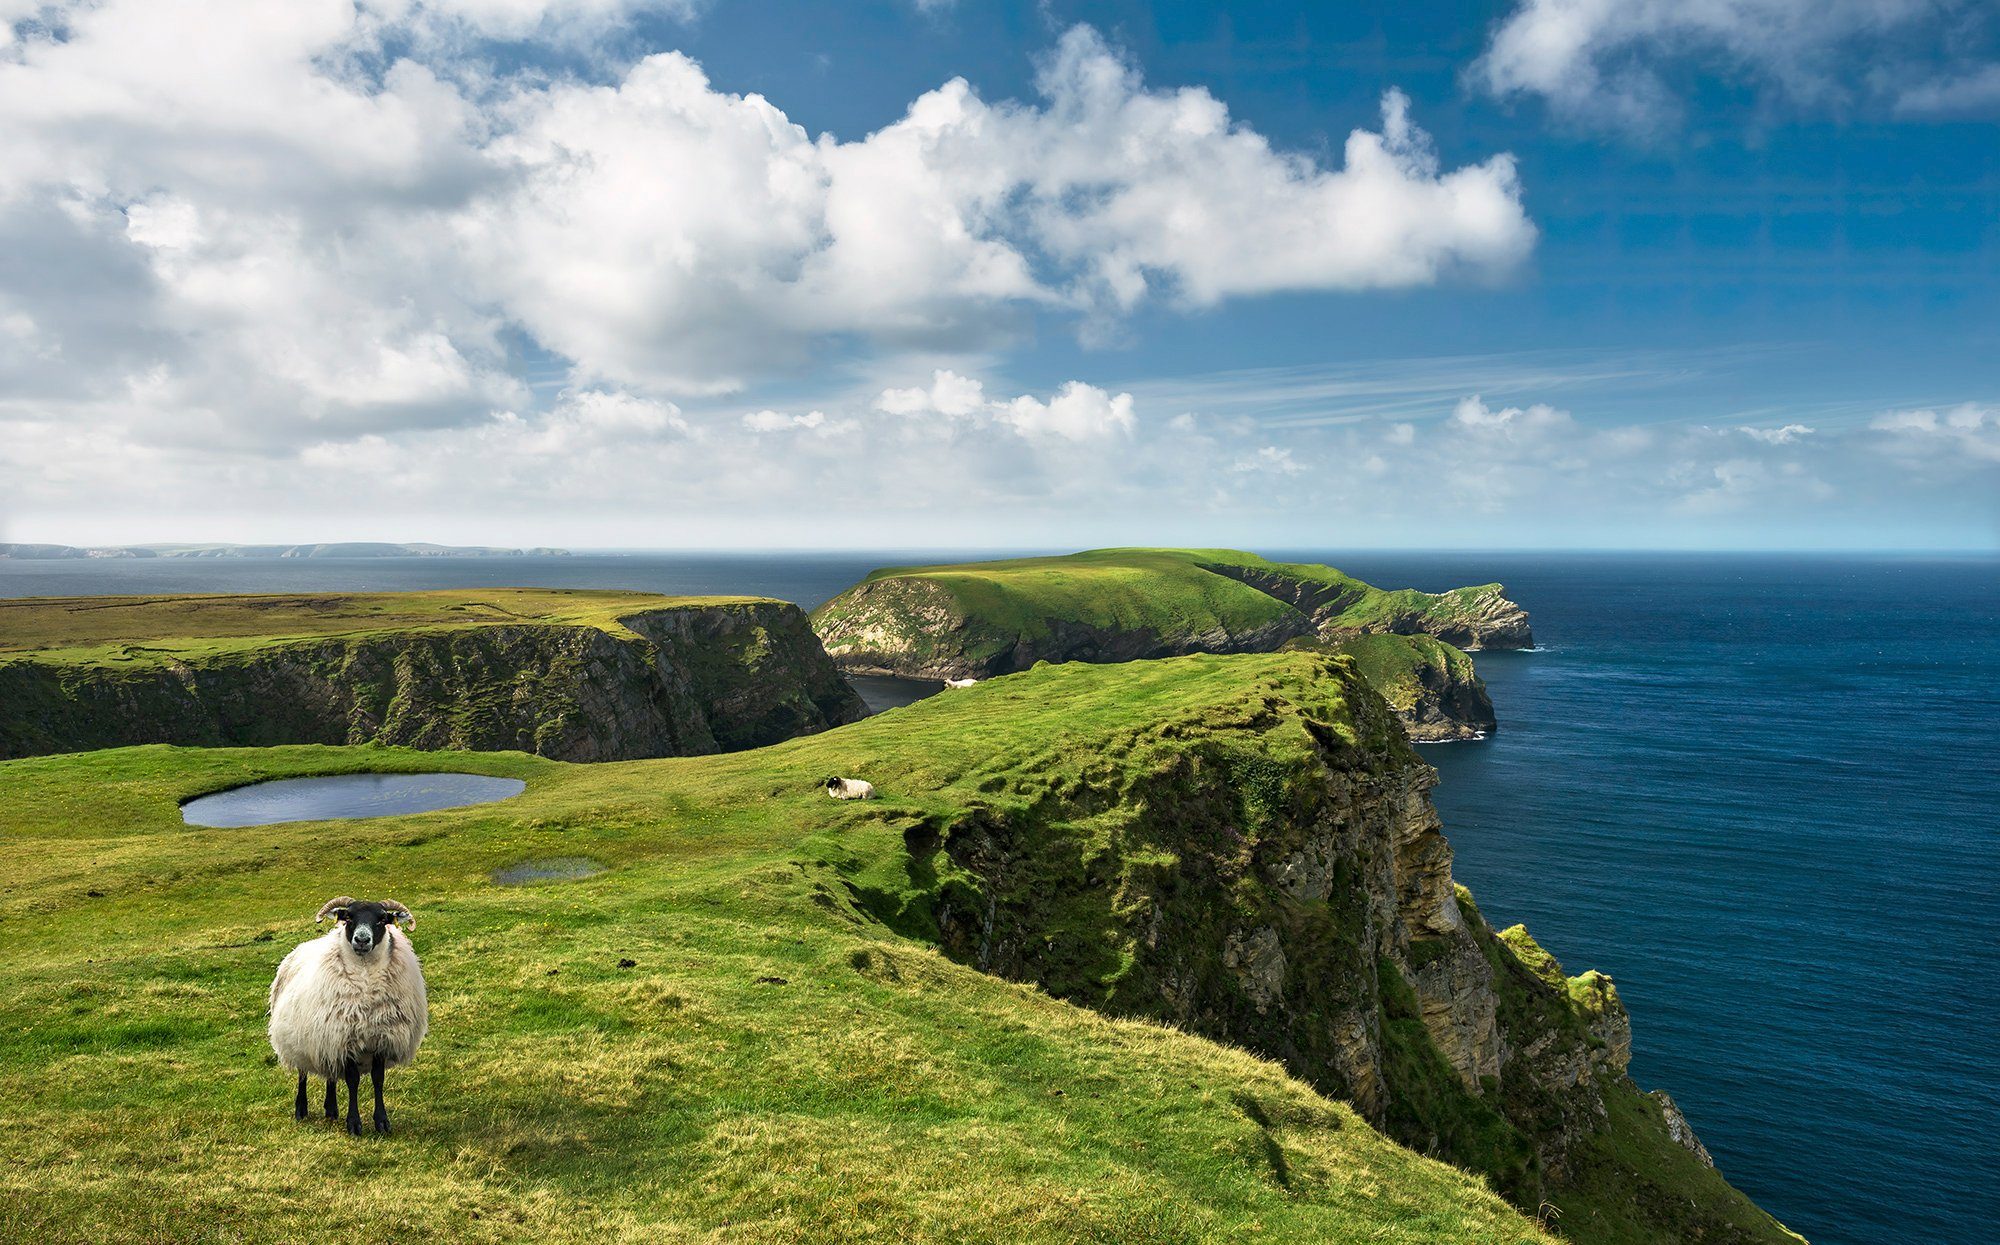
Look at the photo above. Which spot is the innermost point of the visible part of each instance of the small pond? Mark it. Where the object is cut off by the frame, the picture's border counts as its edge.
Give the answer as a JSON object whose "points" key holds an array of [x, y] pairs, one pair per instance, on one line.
{"points": [[342, 796], [888, 691]]}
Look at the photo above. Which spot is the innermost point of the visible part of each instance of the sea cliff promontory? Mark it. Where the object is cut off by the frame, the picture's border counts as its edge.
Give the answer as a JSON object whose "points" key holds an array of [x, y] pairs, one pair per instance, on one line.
{"points": [[580, 676], [979, 619]]}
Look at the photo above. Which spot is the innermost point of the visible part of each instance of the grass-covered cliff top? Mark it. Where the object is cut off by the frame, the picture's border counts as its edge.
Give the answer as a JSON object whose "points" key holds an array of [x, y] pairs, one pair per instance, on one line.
{"points": [[141, 629], [1164, 590], [774, 1065], [1173, 594]]}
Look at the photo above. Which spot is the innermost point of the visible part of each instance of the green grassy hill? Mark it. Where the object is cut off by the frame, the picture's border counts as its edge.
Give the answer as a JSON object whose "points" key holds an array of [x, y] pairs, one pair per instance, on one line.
{"points": [[149, 630], [577, 675], [745, 1028], [984, 618], [1108, 605]]}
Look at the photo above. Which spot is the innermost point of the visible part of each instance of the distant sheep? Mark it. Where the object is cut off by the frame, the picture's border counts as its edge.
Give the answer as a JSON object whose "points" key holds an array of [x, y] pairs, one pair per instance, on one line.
{"points": [[850, 789], [352, 997], [960, 682]]}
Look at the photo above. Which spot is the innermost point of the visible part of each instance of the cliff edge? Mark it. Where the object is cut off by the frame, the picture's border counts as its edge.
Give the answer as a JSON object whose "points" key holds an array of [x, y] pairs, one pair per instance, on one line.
{"points": [[574, 676]]}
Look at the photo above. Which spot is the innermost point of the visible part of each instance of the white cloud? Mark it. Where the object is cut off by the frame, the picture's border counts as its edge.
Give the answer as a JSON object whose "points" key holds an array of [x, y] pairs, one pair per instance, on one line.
{"points": [[1614, 63], [779, 421], [1785, 435], [1974, 90], [1510, 423], [1104, 194], [1269, 458], [1077, 412], [328, 218], [1969, 431]]}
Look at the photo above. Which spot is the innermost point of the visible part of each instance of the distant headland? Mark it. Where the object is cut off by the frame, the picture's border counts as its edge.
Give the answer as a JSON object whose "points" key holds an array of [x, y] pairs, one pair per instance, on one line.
{"points": [[344, 549]]}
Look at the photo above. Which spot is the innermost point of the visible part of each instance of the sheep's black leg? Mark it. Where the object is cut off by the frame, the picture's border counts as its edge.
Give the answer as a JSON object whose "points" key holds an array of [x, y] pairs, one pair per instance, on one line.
{"points": [[332, 1100], [381, 1112], [353, 1071], [299, 1107]]}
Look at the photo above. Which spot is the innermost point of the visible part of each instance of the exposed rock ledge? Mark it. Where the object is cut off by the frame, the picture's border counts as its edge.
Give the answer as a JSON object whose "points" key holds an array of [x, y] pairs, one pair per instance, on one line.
{"points": [[687, 680]]}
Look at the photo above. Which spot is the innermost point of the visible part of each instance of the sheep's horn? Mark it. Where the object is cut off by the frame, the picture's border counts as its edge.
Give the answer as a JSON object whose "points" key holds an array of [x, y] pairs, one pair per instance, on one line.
{"points": [[404, 917], [342, 902]]}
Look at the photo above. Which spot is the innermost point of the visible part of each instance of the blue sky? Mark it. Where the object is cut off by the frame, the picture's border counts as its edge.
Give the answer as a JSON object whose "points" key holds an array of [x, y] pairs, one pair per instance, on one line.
{"points": [[506, 271]]}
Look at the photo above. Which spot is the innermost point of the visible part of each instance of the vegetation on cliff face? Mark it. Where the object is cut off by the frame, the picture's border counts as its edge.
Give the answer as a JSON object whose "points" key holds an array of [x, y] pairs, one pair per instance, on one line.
{"points": [[800, 1044], [1429, 684], [575, 675], [986, 618]]}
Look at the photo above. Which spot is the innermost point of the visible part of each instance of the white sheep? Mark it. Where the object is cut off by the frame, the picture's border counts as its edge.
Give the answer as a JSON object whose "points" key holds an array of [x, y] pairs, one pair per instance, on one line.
{"points": [[354, 996], [850, 789], [960, 682]]}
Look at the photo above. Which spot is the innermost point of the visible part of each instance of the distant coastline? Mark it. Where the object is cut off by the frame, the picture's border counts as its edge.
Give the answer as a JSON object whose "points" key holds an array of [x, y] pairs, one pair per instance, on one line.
{"points": [[349, 549]]}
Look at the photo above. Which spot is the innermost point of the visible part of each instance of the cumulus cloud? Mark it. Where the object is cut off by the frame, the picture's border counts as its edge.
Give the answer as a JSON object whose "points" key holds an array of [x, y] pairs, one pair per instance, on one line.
{"points": [[329, 217], [1614, 63], [1971, 91], [1104, 194], [1969, 431], [1784, 435], [1077, 412], [1539, 420]]}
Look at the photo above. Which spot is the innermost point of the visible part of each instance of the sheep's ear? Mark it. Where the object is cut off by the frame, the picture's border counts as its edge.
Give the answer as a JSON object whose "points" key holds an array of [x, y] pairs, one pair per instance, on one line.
{"points": [[398, 914]]}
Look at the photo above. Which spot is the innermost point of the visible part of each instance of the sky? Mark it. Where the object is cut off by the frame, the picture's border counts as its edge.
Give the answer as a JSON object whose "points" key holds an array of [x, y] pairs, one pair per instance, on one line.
{"points": [[925, 273]]}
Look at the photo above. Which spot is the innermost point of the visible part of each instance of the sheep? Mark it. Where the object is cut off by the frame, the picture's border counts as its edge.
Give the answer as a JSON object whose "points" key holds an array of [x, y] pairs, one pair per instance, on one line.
{"points": [[355, 995], [849, 789], [960, 682]]}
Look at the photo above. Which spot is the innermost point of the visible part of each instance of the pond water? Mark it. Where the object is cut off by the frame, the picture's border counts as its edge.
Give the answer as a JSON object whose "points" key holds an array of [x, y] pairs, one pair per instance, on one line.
{"points": [[344, 796], [887, 691]]}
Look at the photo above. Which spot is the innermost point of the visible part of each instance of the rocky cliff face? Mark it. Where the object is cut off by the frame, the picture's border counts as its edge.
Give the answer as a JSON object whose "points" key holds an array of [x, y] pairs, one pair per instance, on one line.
{"points": [[1308, 913], [1468, 618], [918, 629], [690, 680], [1431, 686]]}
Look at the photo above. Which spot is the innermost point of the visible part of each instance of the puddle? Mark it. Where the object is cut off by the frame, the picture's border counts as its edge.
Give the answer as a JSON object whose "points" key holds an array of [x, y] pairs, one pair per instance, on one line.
{"points": [[552, 869]]}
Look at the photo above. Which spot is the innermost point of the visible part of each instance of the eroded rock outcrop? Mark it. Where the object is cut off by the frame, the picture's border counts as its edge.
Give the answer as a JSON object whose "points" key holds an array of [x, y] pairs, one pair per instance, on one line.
{"points": [[687, 680], [1305, 909], [978, 620]]}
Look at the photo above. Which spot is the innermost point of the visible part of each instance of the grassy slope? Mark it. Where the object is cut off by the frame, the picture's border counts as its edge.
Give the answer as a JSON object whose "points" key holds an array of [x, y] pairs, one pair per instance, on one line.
{"points": [[1395, 665], [1166, 591], [1162, 590], [136, 630], [879, 1092]]}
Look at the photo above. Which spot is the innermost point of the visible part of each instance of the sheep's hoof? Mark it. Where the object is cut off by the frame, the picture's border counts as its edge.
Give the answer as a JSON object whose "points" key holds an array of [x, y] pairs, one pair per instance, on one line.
{"points": [[299, 1114], [353, 1126], [382, 1124]]}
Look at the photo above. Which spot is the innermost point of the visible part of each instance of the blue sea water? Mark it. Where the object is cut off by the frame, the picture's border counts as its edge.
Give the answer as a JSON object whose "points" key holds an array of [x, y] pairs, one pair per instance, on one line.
{"points": [[1759, 790]]}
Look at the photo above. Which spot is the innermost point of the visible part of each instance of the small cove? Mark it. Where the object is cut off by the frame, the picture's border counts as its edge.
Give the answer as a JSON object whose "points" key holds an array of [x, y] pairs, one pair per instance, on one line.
{"points": [[887, 691], [339, 797]]}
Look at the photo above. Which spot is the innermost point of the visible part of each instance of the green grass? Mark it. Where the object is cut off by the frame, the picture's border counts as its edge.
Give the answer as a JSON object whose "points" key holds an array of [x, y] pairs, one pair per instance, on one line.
{"points": [[136, 631], [1397, 665], [1161, 590], [1183, 599], [779, 1065]]}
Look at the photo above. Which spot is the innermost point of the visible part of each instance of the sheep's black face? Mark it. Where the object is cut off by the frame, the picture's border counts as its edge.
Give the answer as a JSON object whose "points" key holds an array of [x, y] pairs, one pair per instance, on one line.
{"points": [[366, 926]]}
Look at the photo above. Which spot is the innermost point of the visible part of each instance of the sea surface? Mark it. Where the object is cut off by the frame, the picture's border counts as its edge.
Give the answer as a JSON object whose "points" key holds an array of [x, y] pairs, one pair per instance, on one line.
{"points": [[1761, 791]]}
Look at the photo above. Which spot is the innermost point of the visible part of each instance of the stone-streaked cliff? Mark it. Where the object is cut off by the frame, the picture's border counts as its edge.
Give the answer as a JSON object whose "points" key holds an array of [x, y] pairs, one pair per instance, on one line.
{"points": [[1274, 875], [981, 619], [684, 678]]}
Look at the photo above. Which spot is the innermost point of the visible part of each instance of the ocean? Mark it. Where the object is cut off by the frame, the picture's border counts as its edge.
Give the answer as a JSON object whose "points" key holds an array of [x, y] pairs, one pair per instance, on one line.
{"points": [[1759, 790]]}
